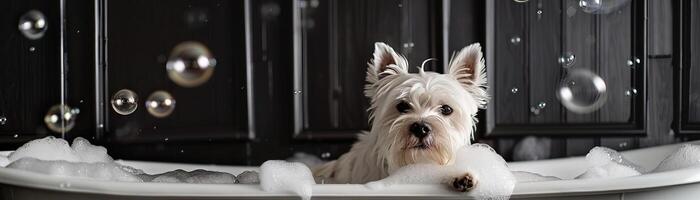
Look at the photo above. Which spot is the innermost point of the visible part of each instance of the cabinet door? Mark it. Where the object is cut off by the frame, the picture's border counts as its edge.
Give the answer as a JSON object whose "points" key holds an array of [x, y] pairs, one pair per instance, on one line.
{"points": [[31, 73], [688, 83], [566, 67], [182, 70], [334, 40]]}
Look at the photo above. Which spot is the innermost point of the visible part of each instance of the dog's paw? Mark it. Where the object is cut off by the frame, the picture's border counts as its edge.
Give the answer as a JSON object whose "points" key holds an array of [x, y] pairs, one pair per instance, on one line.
{"points": [[464, 183]]}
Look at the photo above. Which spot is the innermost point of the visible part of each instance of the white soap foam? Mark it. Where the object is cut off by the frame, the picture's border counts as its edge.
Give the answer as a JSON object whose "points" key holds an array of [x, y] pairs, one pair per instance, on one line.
{"points": [[48, 148], [524, 177], [687, 155], [418, 174], [52, 148], [248, 177], [88, 152], [54, 156], [282, 176], [98, 171], [4, 161], [608, 163], [493, 178]]}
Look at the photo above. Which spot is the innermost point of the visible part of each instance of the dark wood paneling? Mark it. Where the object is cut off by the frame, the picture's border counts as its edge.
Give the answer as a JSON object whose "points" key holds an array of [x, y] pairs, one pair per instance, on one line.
{"points": [[207, 119], [558, 148], [614, 51], [505, 147], [80, 62], [272, 50], [693, 66], [543, 52], [660, 15], [29, 71], [660, 103], [466, 24], [141, 35], [580, 39], [335, 52], [510, 71], [579, 146]]}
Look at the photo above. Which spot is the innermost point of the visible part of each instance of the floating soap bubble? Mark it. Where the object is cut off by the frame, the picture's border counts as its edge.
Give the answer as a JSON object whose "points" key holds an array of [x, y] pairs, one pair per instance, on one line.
{"points": [[601, 6], [33, 24], [61, 120], [124, 102], [590, 6], [160, 104], [582, 91], [190, 64]]}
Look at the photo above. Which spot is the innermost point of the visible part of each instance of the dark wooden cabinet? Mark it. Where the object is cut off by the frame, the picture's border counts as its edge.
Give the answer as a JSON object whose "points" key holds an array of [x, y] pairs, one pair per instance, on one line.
{"points": [[140, 37], [289, 74], [334, 40], [535, 47], [688, 67], [30, 69]]}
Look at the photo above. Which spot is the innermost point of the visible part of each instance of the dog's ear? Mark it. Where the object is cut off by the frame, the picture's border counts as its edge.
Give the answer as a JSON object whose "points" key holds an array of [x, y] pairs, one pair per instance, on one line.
{"points": [[385, 63], [467, 66]]}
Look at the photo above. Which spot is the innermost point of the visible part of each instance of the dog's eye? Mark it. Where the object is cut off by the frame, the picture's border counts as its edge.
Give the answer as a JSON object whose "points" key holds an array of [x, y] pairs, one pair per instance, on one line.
{"points": [[403, 107], [446, 110]]}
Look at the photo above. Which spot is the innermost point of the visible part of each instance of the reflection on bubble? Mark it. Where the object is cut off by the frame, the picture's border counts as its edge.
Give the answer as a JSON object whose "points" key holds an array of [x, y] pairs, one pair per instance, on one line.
{"points": [[582, 91], [190, 64], [33, 24], [61, 119], [601, 6], [124, 102], [160, 104], [590, 6]]}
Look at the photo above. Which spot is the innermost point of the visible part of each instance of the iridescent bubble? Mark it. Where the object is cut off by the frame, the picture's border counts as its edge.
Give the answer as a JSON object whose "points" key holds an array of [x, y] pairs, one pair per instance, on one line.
{"points": [[61, 119], [587, 93], [190, 64], [160, 104], [124, 102], [33, 24], [590, 6], [602, 6]]}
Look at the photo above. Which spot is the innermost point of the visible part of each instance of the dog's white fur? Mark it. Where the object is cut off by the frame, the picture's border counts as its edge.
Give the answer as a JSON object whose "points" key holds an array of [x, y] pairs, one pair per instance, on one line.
{"points": [[390, 145]]}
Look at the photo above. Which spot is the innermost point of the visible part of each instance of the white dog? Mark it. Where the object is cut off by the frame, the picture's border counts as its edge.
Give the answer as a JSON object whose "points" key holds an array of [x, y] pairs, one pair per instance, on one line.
{"points": [[416, 118]]}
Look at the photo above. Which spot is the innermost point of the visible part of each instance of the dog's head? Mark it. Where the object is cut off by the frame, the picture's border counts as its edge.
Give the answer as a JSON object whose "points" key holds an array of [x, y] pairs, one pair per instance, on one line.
{"points": [[423, 117]]}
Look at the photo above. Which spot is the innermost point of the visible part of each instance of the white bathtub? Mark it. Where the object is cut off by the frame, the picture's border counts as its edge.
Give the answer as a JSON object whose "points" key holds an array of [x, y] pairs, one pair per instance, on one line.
{"points": [[679, 184]]}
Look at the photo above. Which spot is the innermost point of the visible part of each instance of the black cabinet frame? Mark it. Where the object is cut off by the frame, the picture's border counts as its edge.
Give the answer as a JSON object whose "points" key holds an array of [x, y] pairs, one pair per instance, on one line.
{"points": [[636, 127]]}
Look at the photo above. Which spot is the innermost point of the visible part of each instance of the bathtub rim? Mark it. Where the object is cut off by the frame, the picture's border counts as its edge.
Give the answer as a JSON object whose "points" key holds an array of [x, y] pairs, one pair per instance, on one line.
{"points": [[645, 182], [28, 179]]}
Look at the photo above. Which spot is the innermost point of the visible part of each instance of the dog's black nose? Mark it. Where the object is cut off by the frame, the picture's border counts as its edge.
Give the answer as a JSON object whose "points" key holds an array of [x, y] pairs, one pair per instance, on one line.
{"points": [[420, 129]]}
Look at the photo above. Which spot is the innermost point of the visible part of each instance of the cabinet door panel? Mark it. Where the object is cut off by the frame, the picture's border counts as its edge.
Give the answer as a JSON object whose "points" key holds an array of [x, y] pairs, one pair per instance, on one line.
{"points": [[30, 70], [141, 36], [687, 49], [579, 65], [544, 69], [334, 40], [509, 78]]}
